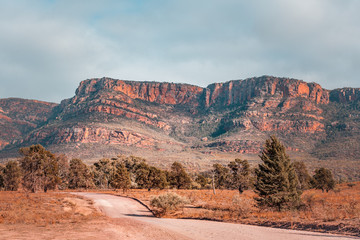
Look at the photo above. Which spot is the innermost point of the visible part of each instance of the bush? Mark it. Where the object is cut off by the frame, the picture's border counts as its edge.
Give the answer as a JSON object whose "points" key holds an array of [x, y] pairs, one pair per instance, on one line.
{"points": [[242, 206], [167, 202]]}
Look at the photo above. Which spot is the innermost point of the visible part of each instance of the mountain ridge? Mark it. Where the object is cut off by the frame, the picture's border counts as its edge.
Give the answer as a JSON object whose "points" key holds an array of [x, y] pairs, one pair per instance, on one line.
{"points": [[163, 121]]}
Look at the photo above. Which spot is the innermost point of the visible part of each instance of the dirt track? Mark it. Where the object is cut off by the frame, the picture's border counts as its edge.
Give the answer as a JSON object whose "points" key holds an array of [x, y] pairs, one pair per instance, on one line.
{"points": [[140, 217]]}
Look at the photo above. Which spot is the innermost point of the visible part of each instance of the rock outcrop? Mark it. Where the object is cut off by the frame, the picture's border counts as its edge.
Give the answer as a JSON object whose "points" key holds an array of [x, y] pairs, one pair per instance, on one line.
{"points": [[345, 95], [230, 117], [162, 93], [239, 92]]}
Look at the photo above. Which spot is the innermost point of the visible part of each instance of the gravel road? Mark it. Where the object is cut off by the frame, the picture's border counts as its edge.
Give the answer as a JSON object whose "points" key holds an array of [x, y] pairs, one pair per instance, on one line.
{"points": [[121, 207]]}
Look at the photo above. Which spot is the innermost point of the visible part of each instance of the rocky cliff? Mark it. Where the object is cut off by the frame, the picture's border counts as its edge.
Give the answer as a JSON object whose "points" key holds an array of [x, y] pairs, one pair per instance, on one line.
{"points": [[171, 118]]}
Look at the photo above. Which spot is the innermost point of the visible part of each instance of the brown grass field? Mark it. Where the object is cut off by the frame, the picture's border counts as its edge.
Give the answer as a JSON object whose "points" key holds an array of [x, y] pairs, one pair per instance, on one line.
{"points": [[51, 215], [337, 211]]}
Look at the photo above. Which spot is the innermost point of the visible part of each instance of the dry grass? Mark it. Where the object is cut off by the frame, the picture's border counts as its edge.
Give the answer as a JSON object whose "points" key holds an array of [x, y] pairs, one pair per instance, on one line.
{"points": [[336, 211], [44, 208]]}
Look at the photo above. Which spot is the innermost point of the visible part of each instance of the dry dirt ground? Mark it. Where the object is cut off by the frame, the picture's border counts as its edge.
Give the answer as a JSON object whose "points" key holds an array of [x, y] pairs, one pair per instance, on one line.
{"points": [[130, 210], [128, 219]]}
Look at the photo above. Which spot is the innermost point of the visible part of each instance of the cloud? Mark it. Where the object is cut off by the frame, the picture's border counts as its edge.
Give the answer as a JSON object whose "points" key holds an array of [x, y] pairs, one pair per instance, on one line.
{"points": [[48, 47]]}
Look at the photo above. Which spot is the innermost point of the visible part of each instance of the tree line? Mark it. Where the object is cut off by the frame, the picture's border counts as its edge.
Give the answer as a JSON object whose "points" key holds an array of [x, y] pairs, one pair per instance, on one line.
{"points": [[277, 181]]}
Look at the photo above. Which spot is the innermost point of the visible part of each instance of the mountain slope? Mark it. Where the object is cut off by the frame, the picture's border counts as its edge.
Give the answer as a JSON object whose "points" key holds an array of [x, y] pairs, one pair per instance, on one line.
{"points": [[19, 116], [165, 122]]}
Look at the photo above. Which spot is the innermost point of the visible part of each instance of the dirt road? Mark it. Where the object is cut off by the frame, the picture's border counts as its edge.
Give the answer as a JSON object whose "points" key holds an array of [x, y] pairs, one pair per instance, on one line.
{"points": [[121, 207]]}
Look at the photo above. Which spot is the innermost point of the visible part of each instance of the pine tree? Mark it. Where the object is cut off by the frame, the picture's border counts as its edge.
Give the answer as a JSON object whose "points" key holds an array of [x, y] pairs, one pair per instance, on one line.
{"points": [[276, 180]]}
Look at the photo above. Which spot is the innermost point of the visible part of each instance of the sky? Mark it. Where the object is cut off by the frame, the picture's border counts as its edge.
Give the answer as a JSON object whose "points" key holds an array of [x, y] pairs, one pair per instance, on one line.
{"points": [[48, 46]]}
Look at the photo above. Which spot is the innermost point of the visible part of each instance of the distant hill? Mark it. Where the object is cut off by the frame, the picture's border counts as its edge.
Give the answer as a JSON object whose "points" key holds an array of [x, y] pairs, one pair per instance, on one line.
{"points": [[164, 122]]}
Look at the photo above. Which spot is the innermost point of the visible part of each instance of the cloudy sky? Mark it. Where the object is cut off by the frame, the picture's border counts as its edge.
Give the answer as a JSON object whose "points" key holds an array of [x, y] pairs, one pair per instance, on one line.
{"points": [[48, 46]]}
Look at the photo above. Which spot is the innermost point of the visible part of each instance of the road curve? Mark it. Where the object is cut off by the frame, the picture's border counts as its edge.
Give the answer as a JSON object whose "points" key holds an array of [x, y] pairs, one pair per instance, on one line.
{"points": [[122, 207]]}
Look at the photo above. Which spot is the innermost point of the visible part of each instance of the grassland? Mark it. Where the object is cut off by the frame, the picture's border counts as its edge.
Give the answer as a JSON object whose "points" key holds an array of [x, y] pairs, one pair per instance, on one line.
{"points": [[336, 211], [54, 215]]}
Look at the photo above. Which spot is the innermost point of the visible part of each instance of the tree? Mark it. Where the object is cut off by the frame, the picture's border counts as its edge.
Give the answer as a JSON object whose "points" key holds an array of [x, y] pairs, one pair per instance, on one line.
{"points": [[80, 175], [40, 168], [202, 180], [323, 179], [302, 175], [104, 171], [63, 164], [221, 175], [142, 175], [150, 177], [178, 176], [2, 186], [276, 180], [121, 178], [12, 176], [240, 177], [157, 178]]}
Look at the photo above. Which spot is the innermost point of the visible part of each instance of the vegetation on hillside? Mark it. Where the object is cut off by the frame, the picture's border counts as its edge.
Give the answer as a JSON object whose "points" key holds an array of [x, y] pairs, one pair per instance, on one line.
{"points": [[270, 192]]}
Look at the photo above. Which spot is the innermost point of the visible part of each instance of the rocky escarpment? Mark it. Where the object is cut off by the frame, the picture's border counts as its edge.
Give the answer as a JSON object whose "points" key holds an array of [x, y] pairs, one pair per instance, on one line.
{"points": [[345, 95], [19, 116], [231, 117], [162, 93], [239, 92]]}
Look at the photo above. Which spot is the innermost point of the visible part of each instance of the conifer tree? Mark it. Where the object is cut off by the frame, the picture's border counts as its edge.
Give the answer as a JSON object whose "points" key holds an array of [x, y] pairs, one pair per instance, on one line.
{"points": [[276, 180]]}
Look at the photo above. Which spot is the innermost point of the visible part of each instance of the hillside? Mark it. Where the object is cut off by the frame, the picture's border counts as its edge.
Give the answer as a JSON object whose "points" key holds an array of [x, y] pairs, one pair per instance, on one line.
{"points": [[20, 116], [164, 122]]}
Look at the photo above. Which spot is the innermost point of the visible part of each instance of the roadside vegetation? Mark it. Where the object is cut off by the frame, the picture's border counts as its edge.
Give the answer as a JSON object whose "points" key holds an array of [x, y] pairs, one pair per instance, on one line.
{"points": [[277, 192]]}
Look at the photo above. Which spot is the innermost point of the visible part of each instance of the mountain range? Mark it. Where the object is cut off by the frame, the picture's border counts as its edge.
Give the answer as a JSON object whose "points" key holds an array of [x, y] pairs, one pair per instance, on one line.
{"points": [[166, 122]]}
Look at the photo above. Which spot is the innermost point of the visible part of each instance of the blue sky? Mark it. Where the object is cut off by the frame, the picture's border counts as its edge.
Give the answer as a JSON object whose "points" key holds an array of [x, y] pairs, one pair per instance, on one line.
{"points": [[48, 47]]}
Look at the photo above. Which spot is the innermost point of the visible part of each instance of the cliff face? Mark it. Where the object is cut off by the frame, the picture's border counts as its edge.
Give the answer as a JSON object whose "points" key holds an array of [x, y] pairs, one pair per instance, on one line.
{"points": [[232, 117], [240, 92], [19, 116], [345, 95], [162, 93]]}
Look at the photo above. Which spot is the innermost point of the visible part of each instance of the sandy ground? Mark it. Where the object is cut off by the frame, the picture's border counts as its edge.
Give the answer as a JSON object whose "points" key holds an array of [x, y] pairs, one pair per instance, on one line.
{"points": [[135, 221]]}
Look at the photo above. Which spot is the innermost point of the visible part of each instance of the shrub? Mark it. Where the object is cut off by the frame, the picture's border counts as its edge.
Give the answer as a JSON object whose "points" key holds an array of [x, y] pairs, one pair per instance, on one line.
{"points": [[167, 202], [242, 206]]}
